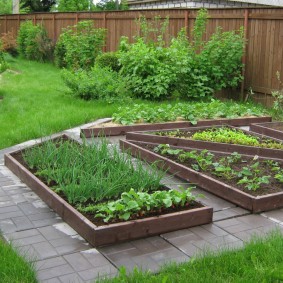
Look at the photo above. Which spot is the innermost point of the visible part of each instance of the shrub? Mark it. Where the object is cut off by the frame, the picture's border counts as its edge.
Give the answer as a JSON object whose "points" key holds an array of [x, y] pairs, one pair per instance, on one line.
{"points": [[213, 65], [108, 60], [3, 64], [9, 43], [148, 70], [33, 42], [79, 45], [278, 95], [98, 83], [192, 69]]}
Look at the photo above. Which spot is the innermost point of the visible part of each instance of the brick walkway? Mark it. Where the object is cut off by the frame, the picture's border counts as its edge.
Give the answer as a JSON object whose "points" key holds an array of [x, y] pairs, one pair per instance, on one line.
{"points": [[61, 255]]}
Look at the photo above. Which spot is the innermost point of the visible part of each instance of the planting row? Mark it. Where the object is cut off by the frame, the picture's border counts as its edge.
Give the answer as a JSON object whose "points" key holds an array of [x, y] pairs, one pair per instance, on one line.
{"points": [[104, 195], [181, 115], [219, 138], [251, 182]]}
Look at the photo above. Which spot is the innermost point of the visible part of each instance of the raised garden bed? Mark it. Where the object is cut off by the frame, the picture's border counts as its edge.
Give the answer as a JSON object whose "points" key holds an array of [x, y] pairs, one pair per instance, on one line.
{"points": [[272, 129], [251, 201], [171, 137], [110, 129], [106, 233]]}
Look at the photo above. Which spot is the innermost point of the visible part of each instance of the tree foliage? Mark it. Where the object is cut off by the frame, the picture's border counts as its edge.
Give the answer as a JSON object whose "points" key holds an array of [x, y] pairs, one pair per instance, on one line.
{"points": [[75, 5], [6, 7], [37, 5]]}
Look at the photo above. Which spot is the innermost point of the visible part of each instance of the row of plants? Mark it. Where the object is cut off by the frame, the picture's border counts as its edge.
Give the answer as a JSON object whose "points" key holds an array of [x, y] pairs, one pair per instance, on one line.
{"points": [[152, 67], [247, 173], [98, 180], [224, 135], [192, 111], [135, 204]]}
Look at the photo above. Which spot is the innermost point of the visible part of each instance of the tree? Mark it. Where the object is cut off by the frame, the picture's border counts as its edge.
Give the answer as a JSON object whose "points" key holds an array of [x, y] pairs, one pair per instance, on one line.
{"points": [[108, 5], [37, 5], [75, 5], [6, 6]]}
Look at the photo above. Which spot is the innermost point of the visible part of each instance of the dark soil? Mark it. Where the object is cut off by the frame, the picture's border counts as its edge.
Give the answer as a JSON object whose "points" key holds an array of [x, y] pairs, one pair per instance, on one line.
{"points": [[273, 187], [98, 221]]}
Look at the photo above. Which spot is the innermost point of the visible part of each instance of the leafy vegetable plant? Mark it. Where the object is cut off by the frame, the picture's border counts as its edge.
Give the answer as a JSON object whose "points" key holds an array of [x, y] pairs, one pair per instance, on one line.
{"points": [[138, 204], [229, 167], [193, 111]]}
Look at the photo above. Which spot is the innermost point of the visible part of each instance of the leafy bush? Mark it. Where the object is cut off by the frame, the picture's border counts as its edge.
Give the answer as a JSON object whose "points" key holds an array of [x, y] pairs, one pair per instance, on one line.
{"points": [[3, 64], [278, 95], [9, 43], [193, 69], [79, 45], [108, 60], [98, 83], [148, 70], [213, 65], [33, 42]]}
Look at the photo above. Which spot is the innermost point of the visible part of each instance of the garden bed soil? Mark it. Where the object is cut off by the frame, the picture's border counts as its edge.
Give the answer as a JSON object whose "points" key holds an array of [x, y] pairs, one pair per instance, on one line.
{"points": [[151, 137], [272, 129], [110, 129], [105, 234], [251, 201]]}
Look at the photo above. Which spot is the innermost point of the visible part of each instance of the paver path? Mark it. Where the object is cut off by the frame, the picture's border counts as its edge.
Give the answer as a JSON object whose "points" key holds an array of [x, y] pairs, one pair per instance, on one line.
{"points": [[61, 255]]}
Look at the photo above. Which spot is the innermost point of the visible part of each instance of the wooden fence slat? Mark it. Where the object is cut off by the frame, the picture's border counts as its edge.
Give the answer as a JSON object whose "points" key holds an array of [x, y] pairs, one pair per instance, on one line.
{"points": [[264, 53]]}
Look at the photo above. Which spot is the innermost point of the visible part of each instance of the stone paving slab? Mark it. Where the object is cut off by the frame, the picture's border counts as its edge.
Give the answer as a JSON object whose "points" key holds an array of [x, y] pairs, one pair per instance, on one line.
{"points": [[61, 255]]}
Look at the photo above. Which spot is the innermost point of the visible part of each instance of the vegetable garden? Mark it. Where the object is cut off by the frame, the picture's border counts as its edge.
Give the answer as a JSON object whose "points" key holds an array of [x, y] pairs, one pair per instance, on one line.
{"points": [[172, 122]]}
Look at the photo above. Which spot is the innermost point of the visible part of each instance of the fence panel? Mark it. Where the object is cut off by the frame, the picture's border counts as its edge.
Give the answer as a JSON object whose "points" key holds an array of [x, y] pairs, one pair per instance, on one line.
{"points": [[264, 56]]}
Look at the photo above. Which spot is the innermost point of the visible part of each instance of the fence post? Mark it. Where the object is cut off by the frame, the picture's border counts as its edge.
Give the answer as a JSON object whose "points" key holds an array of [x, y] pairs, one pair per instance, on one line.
{"points": [[244, 58], [54, 29], [104, 26], [6, 29], [187, 22], [19, 21], [77, 18]]}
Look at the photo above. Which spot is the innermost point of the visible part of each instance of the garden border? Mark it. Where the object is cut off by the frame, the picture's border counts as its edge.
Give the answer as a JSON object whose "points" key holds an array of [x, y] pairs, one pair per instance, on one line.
{"points": [[261, 128], [89, 132], [113, 233], [221, 189], [222, 147]]}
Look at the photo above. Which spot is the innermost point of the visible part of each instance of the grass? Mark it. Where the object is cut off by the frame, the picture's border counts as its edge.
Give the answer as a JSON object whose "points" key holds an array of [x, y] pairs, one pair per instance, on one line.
{"points": [[261, 260], [35, 103], [14, 268]]}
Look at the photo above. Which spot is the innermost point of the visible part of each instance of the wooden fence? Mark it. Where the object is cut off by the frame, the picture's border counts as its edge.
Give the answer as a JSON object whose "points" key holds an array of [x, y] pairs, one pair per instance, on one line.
{"points": [[264, 32]]}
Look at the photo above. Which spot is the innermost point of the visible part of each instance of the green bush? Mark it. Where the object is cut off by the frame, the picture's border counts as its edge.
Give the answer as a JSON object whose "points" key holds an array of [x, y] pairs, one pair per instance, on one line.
{"points": [[148, 70], [192, 69], [212, 65], [33, 42], [98, 83], [79, 45], [3, 64], [108, 60]]}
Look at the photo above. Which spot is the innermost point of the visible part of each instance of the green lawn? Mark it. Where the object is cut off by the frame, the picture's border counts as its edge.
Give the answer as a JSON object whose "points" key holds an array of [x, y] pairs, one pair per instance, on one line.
{"points": [[14, 268], [261, 260], [36, 103]]}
